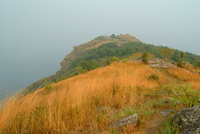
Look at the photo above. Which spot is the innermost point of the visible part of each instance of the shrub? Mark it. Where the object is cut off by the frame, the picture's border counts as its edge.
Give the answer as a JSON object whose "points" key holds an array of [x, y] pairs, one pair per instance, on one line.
{"points": [[187, 95], [144, 58], [180, 63], [154, 77], [115, 58], [107, 62]]}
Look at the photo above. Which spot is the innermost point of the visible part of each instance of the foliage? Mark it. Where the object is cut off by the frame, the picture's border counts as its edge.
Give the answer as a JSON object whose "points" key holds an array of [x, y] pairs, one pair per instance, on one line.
{"points": [[185, 94], [80, 70], [115, 58], [85, 66], [168, 127], [113, 36], [89, 65], [191, 58], [180, 61], [144, 58], [197, 64], [181, 54], [107, 62], [154, 77], [167, 53]]}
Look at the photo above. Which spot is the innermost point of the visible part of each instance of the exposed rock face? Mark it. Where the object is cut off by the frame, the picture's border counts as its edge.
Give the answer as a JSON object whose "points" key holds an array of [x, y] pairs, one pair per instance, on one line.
{"points": [[128, 121], [156, 62], [189, 120]]}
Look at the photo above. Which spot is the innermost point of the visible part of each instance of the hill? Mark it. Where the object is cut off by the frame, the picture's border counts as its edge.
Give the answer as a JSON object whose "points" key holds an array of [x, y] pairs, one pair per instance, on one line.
{"points": [[91, 102], [99, 52]]}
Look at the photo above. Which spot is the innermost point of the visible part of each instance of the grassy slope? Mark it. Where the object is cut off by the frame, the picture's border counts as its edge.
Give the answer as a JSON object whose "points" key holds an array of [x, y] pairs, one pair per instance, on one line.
{"points": [[101, 49], [74, 105]]}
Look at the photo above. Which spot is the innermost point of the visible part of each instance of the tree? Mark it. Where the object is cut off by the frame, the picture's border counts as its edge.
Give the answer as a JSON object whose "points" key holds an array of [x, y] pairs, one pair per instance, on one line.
{"points": [[180, 60], [144, 58], [198, 64], [80, 70], [85, 66], [107, 62], [115, 58], [113, 36], [166, 53], [182, 54]]}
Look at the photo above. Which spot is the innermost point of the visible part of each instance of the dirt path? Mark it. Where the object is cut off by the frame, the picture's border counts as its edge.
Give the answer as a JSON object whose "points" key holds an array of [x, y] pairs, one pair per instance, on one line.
{"points": [[152, 126]]}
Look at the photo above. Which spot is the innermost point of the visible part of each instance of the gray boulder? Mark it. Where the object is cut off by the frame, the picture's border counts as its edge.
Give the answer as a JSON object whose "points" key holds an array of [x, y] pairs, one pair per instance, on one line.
{"points": [[189, 120], [128, 121]]}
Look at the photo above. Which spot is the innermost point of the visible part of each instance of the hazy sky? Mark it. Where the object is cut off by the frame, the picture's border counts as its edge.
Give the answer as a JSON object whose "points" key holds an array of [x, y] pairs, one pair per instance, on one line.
{"points": [[35, 35]]}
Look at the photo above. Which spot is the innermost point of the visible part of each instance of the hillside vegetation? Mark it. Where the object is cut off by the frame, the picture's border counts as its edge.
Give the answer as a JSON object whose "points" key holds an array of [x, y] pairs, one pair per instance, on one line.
{"points": [[100, 52], [90, 102]]}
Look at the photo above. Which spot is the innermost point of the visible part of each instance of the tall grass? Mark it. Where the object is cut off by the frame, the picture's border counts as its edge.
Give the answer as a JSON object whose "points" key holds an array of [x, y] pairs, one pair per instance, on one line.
{"points": [[191, 77], [183, 74], [73, 105]]}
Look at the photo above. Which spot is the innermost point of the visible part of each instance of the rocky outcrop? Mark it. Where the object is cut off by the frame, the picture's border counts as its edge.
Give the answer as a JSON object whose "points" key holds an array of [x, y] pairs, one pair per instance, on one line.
{"points": [[189, 120], [156, 63], [128, 121]]}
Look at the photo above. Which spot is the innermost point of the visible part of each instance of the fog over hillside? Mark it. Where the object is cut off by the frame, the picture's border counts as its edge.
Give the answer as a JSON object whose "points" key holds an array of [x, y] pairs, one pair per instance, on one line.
{"points": [[36, 35]]}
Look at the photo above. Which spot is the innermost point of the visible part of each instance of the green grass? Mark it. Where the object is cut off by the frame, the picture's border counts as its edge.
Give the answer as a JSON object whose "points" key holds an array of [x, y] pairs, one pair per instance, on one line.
{"points": [[154, 77], [168, 127], [184, 94], [143, 111]]}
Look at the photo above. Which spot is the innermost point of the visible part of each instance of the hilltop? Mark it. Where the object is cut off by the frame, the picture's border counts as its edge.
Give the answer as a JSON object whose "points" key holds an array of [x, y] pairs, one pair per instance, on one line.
{"points": [[93, 101], [99, 52]]}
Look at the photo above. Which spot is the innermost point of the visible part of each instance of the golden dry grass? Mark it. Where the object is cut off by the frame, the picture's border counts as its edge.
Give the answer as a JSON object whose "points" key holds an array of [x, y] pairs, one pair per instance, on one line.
{"points": [[187, 75], [73, 105]]}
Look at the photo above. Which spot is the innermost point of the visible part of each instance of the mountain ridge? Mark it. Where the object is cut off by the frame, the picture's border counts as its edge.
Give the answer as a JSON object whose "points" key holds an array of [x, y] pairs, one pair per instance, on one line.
{"points": [[100, 50]]}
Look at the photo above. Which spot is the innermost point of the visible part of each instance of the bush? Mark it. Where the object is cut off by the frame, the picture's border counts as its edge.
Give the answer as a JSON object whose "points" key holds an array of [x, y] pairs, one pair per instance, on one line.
{"points": [[107, 62], [144, 58], [187, 95], [115, 58], [180, 63], [197, 64], [154, 77], [88, 65]]}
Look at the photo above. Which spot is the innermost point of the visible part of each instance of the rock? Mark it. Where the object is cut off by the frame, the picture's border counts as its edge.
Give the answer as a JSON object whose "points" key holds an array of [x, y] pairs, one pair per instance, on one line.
{"points": [[189, 120], [167, 101], [176, 102], [128, 121], [156, 63], [165, 112], [172, 102]]}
